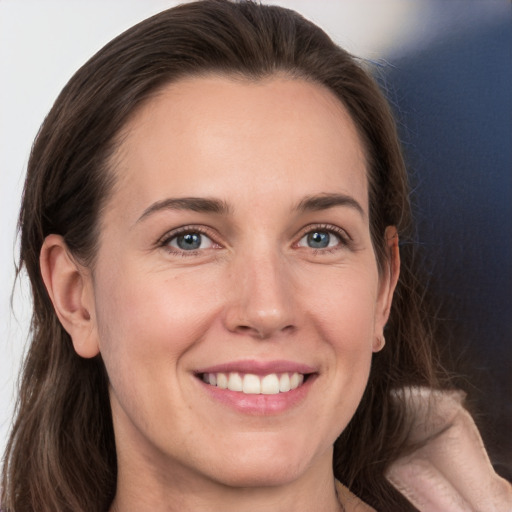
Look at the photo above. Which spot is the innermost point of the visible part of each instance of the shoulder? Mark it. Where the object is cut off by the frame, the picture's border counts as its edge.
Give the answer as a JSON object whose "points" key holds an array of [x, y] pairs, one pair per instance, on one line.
{"points": [[449, 469]]}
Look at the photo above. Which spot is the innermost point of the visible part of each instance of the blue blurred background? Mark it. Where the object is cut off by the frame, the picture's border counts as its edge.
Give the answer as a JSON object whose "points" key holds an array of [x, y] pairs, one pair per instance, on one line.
{"points": [[453, 97]]}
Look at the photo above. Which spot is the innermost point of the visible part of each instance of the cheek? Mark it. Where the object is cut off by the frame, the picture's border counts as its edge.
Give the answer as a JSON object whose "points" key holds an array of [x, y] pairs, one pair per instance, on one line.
{"points": [[343, 313], [344, 309], [149, 319], [147, 324]]}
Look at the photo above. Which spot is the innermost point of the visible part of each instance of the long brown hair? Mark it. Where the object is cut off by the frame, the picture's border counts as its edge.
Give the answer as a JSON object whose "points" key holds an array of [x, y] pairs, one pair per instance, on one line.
{"points": [[61, 452]]}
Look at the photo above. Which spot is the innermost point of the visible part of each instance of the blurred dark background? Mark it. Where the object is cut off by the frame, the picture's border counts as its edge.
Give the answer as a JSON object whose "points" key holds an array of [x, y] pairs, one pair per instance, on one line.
{"points": [[453, 98]]}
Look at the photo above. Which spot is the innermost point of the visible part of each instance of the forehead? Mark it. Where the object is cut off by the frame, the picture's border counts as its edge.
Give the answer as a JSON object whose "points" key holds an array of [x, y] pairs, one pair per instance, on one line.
{"points": [[254, 137]]}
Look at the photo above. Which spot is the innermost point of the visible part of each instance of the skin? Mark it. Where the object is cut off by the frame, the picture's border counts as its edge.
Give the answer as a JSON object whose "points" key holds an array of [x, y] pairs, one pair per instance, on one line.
{"points": [[255, 290]]}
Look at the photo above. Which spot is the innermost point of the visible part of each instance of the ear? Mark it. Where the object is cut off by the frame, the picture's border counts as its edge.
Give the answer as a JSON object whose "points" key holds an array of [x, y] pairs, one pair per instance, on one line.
{"points": [[69, 286], [387, 285]]}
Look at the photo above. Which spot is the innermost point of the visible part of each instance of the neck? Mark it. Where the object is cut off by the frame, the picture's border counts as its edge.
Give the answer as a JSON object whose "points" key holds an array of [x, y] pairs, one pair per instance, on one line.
{"points": [[141, 488]]}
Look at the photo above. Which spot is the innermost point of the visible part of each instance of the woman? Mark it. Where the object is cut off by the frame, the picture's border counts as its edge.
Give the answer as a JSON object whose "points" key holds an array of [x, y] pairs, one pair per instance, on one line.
{"points": [[210, 225]]}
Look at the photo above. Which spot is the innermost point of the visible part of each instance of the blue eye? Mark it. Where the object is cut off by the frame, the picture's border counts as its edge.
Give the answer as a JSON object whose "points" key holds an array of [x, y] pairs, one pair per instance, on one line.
{"points": [[190, 241], [319, 239]]}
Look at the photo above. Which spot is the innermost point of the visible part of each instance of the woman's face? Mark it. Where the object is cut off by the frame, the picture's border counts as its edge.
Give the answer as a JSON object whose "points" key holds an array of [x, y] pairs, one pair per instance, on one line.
{"points": [[236, 249]]}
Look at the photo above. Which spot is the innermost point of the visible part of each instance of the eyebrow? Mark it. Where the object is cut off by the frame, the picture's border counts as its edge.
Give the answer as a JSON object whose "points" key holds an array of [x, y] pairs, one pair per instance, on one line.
{"points": [[195, 204], [326, 201], [207, 205]]}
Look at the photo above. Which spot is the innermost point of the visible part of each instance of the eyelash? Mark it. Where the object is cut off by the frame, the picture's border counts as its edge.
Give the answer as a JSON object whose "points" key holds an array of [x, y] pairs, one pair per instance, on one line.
{"points": [[165, 241], [341, 234], [344, 238]]}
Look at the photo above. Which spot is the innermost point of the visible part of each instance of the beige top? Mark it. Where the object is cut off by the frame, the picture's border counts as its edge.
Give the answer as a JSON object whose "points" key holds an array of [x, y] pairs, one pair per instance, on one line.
{"points": [[451, 472]]}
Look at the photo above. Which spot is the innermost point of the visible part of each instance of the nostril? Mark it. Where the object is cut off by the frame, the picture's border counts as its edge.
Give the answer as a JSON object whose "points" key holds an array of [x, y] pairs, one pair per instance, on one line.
{"points": [[264, 332], [243, 328], [260, 322]]}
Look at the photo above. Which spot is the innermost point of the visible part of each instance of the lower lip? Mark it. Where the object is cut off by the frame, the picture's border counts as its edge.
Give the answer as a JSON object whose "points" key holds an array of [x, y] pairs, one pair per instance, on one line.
{"points": [[259, 404]]}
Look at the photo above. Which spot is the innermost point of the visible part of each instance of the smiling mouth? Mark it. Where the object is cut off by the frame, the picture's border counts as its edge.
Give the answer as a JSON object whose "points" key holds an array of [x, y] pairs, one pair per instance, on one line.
{"points": [[251, 384]]}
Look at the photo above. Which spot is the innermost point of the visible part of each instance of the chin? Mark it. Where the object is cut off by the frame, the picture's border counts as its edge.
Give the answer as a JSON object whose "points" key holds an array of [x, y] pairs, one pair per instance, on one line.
{"points": [[264, 467], [267, 475]]}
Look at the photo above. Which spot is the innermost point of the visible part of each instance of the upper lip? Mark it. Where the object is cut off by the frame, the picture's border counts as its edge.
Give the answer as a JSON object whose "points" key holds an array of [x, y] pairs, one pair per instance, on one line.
{"points": [[259, 367]]}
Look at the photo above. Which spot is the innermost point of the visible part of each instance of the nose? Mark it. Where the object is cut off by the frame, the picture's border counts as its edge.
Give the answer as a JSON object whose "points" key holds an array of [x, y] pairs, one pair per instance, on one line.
{"points": [[261, 301]]}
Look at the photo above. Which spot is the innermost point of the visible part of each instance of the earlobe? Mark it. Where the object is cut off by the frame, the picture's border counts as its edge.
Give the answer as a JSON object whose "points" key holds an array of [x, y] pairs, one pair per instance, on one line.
{"points": [[70, 289], [389, 280]]}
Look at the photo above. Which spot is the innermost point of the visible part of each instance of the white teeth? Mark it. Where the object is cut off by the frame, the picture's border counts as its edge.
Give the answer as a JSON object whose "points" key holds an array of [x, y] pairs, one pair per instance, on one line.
{"points": [[296, 380], [251, 384], [222, 380], [235, 382], [270, 384], [284, 383]]}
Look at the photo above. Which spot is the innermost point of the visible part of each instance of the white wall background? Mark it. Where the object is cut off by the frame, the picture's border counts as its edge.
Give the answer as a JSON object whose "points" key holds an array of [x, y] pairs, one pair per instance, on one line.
{"points": [[42, 43]]}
